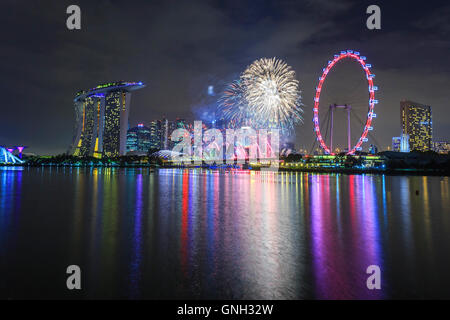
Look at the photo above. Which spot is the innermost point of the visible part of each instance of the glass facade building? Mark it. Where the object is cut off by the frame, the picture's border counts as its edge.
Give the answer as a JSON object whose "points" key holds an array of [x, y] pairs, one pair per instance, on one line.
{"points": [[155, 134], [138, 139]]}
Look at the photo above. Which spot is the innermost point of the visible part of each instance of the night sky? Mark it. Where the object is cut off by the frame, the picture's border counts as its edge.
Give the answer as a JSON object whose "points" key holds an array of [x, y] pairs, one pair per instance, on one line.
{"points": [[180, 48]]}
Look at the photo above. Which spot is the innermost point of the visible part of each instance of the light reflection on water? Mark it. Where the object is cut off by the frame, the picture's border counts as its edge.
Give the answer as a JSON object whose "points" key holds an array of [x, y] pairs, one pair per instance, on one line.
{"points": [[177, 233]]}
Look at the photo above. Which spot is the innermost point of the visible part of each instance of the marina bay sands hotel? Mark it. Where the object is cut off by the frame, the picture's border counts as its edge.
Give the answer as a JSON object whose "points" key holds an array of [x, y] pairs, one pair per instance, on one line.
{"points": [[102, 119]]}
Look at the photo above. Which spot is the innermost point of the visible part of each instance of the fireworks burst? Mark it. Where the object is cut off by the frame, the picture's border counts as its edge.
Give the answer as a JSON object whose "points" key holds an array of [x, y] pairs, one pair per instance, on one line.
{"points": [[266, 96], [232, 105], [272, 93]]}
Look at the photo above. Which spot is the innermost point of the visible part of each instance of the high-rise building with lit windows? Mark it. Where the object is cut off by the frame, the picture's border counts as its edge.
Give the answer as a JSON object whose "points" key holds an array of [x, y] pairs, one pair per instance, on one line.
{"points": [[138, 139], [396, 144], [416, 122], [155, 134], [102, 119], [169, 126], [166, 128], [161, 131], [442, 147], [132, 140], [400, 144]]}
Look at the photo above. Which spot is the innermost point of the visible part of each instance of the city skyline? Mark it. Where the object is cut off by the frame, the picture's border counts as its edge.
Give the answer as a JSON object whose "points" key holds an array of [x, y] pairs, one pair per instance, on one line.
{"points": [[97, 110], [278, 150], [406, 54]]}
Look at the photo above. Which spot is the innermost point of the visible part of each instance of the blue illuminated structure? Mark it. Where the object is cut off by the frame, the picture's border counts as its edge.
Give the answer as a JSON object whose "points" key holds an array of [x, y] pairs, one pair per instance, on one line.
{"points": [[20, 150], [102, 89], [7, 157], [101, 122]]}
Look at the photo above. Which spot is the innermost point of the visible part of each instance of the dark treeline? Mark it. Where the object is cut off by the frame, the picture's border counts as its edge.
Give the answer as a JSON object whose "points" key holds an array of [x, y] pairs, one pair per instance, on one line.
{"points": [[64, 159]]}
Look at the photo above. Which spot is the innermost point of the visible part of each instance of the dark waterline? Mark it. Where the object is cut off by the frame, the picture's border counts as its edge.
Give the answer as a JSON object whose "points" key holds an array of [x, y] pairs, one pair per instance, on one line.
{"points": [[177, 233]]}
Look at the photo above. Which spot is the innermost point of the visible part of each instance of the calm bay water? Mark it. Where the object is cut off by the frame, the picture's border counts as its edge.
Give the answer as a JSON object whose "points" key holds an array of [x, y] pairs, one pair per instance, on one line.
{"points": [[178, 233]]}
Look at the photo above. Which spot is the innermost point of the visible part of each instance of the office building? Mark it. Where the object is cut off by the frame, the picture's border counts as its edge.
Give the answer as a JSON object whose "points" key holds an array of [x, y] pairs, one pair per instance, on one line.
{"points": [[155, 134], [138, 139]]}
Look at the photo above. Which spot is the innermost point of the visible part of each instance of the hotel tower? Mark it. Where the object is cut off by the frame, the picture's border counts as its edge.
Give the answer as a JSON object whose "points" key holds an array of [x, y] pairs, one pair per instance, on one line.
{"points": [[102, 119]]}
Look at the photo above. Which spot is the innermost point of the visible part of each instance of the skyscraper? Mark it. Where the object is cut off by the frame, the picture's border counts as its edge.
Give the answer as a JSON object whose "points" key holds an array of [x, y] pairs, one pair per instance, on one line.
{"points": [[138, 139], [131, 140], [102, 119], [166, 129], [416, 122], [161, 131], [155, 134], [168, 126]]}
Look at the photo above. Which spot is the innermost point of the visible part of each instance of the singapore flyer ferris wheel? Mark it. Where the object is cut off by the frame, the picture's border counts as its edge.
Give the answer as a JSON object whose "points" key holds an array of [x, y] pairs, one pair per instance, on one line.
{"points": [[367, 125]]}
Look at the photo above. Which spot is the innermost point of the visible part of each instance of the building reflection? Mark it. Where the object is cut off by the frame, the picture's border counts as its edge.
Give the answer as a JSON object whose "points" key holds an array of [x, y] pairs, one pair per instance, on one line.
{"points": [[179, 233], [10, 201], [184, 223], [136, 262], [221, 212], [340, 259]]}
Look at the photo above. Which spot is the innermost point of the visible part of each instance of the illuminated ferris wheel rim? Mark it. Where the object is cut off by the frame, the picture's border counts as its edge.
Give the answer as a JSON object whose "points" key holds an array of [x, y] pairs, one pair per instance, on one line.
{"points": [[370, 115]]}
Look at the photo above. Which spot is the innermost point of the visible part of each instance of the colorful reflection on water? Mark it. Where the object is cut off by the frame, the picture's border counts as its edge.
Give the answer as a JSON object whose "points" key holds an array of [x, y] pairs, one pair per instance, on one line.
{"points": [[177, 233]]}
